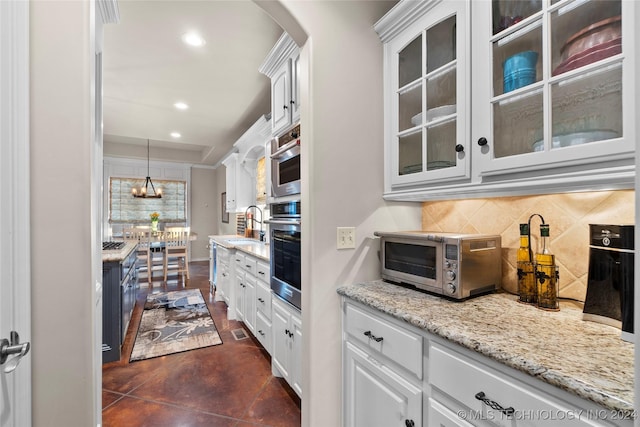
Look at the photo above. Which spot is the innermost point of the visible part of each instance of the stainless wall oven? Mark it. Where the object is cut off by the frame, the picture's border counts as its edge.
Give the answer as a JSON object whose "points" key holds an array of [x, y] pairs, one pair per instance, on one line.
{"points": [[285, 163], [285, 251]]}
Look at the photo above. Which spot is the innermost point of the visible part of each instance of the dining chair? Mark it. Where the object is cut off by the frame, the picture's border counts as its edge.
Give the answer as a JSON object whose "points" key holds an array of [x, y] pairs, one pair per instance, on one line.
{"points": [[141, 238], [176, 247]]}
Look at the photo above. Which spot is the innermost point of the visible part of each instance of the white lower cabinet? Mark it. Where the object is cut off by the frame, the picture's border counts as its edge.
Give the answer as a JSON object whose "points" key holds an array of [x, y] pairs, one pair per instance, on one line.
{"points": [[487, 396], [263, 307], [287, 343], [376, 395], [382, 371], [443, 417], [452, 386], [224, 281], [245, 300]]}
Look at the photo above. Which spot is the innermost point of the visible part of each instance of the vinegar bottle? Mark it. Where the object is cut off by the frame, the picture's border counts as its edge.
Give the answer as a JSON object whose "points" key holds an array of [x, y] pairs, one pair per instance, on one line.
{"points": [[546, 273], [527, 290]]}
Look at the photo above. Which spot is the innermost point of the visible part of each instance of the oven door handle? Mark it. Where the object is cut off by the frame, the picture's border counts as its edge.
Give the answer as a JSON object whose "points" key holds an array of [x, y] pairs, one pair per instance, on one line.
{"points": [[288, 146], [283, 221]]}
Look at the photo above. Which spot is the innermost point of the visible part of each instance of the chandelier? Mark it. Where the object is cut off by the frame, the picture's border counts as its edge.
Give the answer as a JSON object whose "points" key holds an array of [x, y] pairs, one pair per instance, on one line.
{"points": [[143, 192]]}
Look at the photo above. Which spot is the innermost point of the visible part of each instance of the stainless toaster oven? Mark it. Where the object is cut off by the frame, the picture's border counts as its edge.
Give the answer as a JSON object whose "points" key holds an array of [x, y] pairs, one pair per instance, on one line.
{"points": [[455, 265]]}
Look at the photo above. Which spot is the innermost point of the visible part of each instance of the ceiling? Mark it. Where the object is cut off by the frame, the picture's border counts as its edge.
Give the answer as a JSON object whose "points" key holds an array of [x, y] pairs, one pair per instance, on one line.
{"points": [[147, 69]]}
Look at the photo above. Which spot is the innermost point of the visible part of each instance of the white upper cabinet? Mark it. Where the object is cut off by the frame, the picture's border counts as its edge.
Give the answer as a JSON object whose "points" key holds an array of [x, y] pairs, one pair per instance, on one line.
{"points": [[282, 66], [534, 97], [426, 93], [241, 165]]}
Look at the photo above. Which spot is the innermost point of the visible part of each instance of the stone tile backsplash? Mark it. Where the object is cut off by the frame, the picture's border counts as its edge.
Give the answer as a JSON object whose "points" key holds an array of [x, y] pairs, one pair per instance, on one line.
{"points": [[568, 215]]}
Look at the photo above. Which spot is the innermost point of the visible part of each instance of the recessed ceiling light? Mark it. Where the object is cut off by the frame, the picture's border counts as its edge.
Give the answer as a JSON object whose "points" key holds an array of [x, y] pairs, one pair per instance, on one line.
{"points": [[193, 39], [181, 105], [175, 134]]}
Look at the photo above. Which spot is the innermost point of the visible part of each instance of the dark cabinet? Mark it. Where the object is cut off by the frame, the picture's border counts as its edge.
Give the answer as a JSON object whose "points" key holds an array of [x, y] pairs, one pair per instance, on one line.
{"points": [[119, 284]]}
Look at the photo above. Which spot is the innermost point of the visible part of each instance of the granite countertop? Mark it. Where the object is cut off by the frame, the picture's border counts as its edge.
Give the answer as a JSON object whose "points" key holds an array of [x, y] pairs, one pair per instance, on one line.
{"points": [[250, 246], [119, 254], [584, 358]]}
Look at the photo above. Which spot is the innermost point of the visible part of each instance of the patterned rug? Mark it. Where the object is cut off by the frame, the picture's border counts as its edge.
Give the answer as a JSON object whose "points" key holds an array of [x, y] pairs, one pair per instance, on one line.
{"points": [[173, 322]]}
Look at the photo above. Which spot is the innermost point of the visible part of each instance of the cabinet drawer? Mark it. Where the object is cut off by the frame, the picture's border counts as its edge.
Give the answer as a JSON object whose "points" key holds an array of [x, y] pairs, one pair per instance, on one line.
{"points": [[263, 331], [238, 260], [398, 344], [249, 265], [263, 299], [263, 272], [470, 382]]}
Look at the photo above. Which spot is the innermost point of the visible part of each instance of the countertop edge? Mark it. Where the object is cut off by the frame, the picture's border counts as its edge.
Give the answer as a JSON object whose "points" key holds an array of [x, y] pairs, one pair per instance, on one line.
{"points": [[118, 255], [258, 249], [548, 375]]}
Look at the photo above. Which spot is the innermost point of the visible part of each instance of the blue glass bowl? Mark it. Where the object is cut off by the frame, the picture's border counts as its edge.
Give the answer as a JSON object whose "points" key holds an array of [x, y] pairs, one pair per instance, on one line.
{"points": [[519, 70]]}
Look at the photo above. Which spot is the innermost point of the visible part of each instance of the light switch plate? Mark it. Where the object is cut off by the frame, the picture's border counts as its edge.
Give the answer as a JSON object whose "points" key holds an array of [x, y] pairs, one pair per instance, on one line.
{"points": [[346, 238]]}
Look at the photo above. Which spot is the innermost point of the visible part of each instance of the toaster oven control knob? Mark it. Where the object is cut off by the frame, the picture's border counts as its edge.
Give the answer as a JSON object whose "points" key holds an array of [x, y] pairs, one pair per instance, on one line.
{"points": [[451, 288], [451, 275]]}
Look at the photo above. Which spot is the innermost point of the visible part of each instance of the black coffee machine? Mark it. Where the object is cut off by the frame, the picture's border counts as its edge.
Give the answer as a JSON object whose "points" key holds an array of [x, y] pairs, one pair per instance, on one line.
{"points": [[609, 297]]}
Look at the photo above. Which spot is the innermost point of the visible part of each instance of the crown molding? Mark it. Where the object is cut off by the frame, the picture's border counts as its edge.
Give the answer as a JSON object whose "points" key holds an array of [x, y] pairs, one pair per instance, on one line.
{"points": [[281, 51], [401, 16]]}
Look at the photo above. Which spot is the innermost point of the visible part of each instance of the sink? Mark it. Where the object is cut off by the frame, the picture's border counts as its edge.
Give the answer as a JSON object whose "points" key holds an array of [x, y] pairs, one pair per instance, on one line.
{"points": [[243, 241]]}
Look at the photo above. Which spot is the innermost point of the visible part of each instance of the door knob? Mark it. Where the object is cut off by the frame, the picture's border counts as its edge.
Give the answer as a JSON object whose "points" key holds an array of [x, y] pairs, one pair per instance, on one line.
{"points": [[482, 141], [12, 346]]}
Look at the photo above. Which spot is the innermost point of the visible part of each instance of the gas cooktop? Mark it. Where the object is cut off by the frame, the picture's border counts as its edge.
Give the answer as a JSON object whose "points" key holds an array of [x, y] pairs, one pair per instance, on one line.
{"points": [[112, 246]]}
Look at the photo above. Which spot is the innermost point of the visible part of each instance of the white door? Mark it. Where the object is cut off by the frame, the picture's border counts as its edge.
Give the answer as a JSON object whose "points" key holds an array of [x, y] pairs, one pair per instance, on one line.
{"points": [[15, 283]]}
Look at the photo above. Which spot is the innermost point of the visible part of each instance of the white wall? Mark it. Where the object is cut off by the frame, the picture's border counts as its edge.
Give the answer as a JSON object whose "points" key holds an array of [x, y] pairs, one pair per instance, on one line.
{"points": [[221, 184], [63, 284], [342, 120], [204, 212]]}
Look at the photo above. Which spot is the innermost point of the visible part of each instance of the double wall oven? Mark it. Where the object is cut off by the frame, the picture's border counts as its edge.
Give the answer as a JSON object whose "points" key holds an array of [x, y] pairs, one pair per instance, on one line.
{"points": [[285, 250]]}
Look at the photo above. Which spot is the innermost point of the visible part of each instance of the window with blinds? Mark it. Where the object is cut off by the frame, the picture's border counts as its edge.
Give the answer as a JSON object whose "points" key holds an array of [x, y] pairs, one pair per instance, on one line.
{"points": [[124, 208]]}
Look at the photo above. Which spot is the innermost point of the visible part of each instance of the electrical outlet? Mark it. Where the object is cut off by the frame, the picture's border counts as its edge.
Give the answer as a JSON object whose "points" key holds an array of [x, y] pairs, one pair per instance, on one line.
{"points": [[346, 238]]}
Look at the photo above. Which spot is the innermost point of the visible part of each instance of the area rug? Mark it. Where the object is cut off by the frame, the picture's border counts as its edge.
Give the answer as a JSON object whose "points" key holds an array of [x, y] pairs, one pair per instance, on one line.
{"points": [[173, 322]]}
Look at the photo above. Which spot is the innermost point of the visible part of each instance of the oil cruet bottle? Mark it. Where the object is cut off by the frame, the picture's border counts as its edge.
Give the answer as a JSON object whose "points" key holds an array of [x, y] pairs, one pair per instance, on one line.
{"points": [[527, 289], [546, 273]]}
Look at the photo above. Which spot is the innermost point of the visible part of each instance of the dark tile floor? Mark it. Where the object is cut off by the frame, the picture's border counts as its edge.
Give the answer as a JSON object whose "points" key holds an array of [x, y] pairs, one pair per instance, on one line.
{"points": [[228, 385]]}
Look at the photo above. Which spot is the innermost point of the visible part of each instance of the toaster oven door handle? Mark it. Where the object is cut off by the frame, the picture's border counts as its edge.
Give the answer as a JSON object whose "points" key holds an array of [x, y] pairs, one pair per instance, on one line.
{"points": [[288, 146]]}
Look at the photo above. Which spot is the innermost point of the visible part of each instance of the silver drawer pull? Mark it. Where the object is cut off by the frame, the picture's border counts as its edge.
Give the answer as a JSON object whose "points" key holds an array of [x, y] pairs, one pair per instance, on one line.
{"points": [[373, 337], [494, 405]]}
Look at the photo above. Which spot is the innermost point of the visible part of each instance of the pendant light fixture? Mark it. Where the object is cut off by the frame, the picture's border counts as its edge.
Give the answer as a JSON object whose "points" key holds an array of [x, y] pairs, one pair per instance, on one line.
{"points": [[143, 192]]}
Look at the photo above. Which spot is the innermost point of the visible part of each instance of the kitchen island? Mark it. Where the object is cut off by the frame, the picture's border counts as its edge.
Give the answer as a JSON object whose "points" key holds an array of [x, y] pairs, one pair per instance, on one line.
{"points": [[119, 284], [586, 359]]}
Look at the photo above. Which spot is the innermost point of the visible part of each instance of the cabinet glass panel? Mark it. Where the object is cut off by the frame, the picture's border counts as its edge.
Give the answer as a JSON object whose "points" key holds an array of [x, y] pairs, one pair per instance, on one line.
{"points": [[410, 107], [410, 153], [410, 62], [441, 145], [518, 124], [587, 107], [509, 12], [441, 44], [583, 33], [441, 93], [517, 60]]}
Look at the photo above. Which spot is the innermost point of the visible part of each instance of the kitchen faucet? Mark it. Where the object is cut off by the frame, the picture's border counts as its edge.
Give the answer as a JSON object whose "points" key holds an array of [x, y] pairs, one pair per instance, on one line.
{"points": [[254, 220]]}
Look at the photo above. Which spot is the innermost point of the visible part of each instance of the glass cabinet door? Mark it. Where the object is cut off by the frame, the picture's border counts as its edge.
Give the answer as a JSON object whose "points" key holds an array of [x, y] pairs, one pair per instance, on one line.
{"points": [[428, 130], [556, 77]]}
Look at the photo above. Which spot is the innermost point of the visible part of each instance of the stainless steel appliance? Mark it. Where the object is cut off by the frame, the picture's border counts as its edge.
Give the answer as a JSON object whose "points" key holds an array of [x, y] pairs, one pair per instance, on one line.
{"points": [[609, 297], [450, 264], [285, 239], [285, 163]]}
